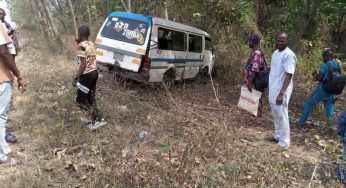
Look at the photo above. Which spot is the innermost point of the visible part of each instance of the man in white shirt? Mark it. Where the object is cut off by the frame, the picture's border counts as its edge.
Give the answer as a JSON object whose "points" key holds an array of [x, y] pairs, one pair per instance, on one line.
{"points": [[280, 88]]}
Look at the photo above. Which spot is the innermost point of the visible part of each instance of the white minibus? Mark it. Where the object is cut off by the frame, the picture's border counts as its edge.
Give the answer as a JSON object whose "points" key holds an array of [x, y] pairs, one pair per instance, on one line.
{"points": [[151, 49]]}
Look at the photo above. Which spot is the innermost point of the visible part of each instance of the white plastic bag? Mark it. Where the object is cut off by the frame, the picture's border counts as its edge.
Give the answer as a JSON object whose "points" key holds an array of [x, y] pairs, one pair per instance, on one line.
{"points": [[249, 101]]}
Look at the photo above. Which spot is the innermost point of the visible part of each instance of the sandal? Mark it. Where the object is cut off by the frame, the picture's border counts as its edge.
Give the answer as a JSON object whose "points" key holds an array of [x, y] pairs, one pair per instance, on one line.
{"points": [[15, 158], [10, 138]]}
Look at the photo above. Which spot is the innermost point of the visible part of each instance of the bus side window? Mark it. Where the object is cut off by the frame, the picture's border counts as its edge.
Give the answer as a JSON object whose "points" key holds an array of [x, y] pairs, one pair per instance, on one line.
{"points": [[179, 41], [195, 43], [171, 40], [165, 39]]}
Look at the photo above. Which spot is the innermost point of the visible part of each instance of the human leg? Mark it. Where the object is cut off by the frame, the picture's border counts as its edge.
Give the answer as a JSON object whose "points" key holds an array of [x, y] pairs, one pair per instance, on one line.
{"points": [[91, 96], [308, 106], [329, 106], [275, 111], [259, 111], [281, 122], [5, 97]]}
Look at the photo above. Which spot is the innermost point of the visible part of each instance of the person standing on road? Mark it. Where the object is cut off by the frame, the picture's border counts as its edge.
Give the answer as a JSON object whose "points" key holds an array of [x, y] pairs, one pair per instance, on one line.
{"points": [[283, 65], [86, 78], [8, 71], [253, 66], [319, 94]]}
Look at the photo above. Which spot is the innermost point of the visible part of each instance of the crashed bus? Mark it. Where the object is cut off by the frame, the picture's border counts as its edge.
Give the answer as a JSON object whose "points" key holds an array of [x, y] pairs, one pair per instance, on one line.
{"points": [[151, 49]]}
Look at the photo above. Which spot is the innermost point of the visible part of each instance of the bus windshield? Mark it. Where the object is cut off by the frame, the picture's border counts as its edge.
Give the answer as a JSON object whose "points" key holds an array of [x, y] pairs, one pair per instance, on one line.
{"points": [[125, 30]]}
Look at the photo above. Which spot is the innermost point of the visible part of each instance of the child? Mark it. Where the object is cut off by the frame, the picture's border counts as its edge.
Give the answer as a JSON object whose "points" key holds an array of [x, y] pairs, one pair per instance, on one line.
{"points": [[341, 131], [87, 76]]}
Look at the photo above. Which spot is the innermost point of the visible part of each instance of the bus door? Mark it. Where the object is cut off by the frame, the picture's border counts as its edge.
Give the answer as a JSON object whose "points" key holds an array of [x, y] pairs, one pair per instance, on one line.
{"points": [[171, 50], [195, 57]]}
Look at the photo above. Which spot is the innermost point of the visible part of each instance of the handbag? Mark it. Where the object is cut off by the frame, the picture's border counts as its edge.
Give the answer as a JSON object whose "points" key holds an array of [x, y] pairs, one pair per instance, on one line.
{"points": [[249, 101], [262, 78]]}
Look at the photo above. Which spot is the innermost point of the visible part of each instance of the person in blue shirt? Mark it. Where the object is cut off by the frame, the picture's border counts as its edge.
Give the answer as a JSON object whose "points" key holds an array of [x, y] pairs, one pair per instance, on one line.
{"points": [[319, 94]]}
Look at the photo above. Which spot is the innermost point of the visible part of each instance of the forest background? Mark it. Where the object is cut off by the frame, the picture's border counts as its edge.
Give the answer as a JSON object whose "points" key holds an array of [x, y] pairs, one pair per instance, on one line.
{"points": [[195, 140]]}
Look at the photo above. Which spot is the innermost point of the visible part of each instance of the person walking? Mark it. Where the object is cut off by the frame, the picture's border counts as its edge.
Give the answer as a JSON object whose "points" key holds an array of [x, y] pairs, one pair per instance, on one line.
{"points": [[86, 78], [254, 65], [283, 65], [319, 94], [8, 72]]}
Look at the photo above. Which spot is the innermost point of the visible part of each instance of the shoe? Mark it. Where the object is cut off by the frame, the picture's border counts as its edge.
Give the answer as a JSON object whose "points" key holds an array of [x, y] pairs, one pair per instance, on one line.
{"points": [[96, 125], [283, 148], [272, 139], [14, 158], [10, 138], [85, 121], [299, 126]]}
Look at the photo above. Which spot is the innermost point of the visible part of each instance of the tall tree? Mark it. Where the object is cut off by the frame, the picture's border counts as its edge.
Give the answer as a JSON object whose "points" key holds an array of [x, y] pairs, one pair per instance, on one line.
{"points": [[52, 23], [310, 13], [74, 17]]}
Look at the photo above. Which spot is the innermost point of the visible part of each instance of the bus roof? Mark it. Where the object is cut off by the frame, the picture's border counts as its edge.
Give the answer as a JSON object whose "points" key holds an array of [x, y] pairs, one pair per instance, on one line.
{"points": [[132, 16], [183, 27], [159, 21]]}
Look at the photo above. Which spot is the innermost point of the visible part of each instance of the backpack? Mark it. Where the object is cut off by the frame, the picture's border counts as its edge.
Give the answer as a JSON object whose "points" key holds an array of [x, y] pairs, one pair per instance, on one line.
{"points": [[335, 82]]}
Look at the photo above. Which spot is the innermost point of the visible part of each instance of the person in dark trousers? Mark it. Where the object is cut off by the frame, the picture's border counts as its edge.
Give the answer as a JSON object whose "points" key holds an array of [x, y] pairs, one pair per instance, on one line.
{"points": [[319, 94], [254, 65], [86, 78]]}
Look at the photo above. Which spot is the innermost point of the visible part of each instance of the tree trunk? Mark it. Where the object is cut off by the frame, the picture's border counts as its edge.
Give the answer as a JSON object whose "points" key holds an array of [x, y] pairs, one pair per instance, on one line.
{"points": [[129, 6], [166, 9], [306, 20], [52, 24], [89, 17], [44, 25], [74, 17], [125, 7]]}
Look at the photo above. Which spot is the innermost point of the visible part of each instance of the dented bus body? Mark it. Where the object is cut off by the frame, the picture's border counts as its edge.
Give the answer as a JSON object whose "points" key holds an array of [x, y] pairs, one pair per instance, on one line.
{"points": [[151, 49]]}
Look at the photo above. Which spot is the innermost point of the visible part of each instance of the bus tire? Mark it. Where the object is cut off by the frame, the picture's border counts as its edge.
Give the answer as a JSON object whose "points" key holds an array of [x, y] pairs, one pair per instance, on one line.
{"points": [[168, 79], [202, 75]]}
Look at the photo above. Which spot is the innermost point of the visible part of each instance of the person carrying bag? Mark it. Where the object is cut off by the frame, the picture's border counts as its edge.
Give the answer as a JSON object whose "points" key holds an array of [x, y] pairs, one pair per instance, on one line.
{"points": [[254, 65]]}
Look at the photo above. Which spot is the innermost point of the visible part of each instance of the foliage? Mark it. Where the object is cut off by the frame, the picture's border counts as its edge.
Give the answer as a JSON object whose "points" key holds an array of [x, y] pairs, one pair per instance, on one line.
{"points": [[311, 24]]}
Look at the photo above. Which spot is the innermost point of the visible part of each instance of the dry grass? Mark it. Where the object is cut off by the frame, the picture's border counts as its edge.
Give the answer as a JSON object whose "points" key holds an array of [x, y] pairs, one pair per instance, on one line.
{"points": [[193, 141]]}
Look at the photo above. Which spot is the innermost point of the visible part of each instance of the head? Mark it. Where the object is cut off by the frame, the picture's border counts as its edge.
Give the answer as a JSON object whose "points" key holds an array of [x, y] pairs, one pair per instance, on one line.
{"points": [[254, 40], [83, 33], [2, 14], [327, 54], [281, 41]]}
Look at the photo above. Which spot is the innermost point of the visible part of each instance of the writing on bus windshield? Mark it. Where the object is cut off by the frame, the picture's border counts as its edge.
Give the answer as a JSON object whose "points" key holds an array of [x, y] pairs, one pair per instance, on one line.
{"points": [[125, 30]]}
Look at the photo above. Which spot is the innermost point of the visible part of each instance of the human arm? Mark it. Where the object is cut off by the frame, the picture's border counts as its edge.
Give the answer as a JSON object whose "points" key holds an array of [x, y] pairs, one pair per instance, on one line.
{"points": [[251, 77], [9, 62], [280, 97], [15, 42], [318, 76]]}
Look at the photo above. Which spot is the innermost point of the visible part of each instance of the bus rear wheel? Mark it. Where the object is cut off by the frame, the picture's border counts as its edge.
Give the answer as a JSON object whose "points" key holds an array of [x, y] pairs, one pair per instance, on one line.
{"points": [[168, 79]]}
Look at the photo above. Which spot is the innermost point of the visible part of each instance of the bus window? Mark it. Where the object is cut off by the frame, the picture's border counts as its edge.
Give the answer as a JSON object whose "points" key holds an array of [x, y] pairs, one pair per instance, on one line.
{"points": [[171, 40], [195, 43], [208, 44], [125, 30]]}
